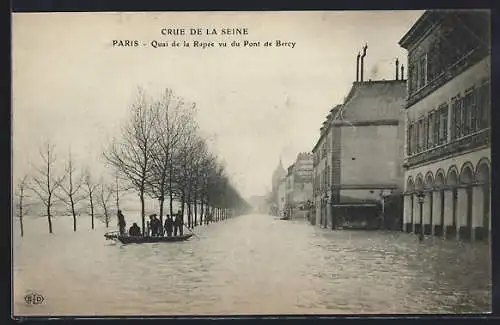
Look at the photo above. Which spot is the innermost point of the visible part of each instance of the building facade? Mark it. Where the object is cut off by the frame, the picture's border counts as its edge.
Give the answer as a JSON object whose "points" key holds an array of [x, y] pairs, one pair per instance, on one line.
{"points": [[358, 159], [447, 148], [322, 167]]}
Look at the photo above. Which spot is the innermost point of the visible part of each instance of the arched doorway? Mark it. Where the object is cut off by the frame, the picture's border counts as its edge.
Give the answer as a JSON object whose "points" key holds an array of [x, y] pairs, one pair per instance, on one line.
{"points": [[452, 183], [419, 217], [466, 179], [428, 185], [409, 204], [439, 184], [483, 177]]}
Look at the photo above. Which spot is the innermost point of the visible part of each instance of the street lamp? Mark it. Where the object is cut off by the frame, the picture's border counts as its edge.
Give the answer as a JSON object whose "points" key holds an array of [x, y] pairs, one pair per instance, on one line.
{"points": [[420, 197], [383, 194]]}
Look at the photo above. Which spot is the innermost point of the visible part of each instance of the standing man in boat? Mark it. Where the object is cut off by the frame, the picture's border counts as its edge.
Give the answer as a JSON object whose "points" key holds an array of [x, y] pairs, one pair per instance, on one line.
{"points": [[121, 222], [169, 225], [180, 223]]}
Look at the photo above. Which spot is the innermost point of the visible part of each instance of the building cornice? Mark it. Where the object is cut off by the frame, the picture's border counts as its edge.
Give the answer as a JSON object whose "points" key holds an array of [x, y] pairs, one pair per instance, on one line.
{"points": [[422, 26], [364, 123]]}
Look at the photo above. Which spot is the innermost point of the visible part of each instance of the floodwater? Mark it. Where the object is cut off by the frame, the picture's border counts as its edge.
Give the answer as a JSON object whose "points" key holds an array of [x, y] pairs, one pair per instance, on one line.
{"points": [[252, 264]]}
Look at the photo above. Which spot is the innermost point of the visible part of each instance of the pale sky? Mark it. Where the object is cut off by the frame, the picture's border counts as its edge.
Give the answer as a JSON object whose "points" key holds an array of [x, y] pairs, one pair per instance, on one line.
{"points": [[70, 85]]}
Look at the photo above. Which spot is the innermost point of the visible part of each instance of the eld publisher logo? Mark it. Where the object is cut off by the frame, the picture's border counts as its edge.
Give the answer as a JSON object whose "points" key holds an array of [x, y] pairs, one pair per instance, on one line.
{"points": [[33, 298]]}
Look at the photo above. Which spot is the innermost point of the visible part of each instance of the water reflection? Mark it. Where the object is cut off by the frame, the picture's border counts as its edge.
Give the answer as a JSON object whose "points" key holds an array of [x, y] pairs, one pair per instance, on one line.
{"points": [[252, 264]]}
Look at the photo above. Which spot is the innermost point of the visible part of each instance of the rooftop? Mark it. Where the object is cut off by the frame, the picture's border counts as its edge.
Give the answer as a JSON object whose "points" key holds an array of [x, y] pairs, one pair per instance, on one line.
{"points": [[374, 100]]}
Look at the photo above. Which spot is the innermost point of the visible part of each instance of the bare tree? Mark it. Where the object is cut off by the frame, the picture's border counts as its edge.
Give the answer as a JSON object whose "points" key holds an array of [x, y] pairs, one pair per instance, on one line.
{"points": [[131, 156], [21, 206], [104, 197], [45, 182], [91, 187], [174, 121], [71, 189]]}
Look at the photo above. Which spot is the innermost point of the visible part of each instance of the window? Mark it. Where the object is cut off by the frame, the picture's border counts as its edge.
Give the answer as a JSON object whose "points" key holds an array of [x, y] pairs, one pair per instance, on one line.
{"points": [[483, 106], [409, 140], [421, 134], [443, 124], [436, 128], [426, 133], [411, 78], [430, 130], [469, 113], [423, 71], [456, 110]]}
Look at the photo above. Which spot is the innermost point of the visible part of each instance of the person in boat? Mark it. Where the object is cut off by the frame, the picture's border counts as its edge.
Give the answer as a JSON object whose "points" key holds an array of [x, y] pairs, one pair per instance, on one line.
{"points": [[180, 223], [135, 230], [121, 222], [155, 231], [169, 225]]}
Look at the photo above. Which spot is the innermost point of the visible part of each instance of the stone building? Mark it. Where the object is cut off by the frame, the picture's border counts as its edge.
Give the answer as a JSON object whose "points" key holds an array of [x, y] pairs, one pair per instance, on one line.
{"points": [[358, 159], [322, 166], [299, 187], [447, 148]]}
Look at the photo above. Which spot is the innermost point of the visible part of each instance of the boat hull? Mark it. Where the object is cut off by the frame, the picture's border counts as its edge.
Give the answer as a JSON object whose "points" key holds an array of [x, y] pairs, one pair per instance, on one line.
{"points": [[148, 239]]}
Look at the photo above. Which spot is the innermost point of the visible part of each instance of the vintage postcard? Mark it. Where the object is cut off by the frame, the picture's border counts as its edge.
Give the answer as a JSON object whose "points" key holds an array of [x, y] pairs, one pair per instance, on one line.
{"points": [[251, 163]]}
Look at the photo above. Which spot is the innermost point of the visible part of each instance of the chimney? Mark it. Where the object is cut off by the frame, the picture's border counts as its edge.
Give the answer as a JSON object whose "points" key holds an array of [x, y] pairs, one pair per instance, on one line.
{"points": [[402, 72], [362, 60], [357, 67], [397, 69]]}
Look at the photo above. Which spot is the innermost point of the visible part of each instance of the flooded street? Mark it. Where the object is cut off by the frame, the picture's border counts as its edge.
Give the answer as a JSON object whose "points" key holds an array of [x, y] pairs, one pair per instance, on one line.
{"points": [[252, 264]]}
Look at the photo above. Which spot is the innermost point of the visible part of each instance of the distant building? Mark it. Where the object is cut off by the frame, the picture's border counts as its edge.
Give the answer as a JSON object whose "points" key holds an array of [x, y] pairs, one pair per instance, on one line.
{"points": [[278, 175], [447, 148], [358, 158], [289, 179], [282, 196], [299, 188]]}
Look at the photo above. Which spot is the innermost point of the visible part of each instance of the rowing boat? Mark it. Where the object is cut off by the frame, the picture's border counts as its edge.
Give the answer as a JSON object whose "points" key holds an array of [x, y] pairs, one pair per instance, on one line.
{"points": [[145, 239]]}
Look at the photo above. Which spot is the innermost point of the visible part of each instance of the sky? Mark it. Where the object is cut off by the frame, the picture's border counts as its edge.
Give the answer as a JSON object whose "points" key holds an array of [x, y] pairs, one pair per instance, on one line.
{"points": [[72, 87]]}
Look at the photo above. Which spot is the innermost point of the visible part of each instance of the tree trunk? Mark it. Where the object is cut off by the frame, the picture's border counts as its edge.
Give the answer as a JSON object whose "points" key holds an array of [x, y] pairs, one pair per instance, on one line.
{"points": [[201, 211], [195, 211], [162, 202], [189, 211], [183, 203], [49, 216], [170, 192], [117, 196], [143, 217], [106, 217], [21, 217], [92, 211], [74, 214]]}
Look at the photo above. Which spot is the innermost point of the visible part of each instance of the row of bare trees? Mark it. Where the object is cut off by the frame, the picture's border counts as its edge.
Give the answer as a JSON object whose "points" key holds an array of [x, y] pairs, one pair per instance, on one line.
{"points": [[162, 156], [71, 187]]}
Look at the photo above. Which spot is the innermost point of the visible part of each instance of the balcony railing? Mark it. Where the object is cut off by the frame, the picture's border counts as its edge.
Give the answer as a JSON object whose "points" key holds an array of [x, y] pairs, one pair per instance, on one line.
{"points": [[470, 141]]}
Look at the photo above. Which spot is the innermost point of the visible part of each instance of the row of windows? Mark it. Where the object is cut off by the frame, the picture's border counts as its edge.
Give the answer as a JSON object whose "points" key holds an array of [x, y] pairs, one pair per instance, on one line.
{"points": [[429, 131], [449, 47], [469, 113]]}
